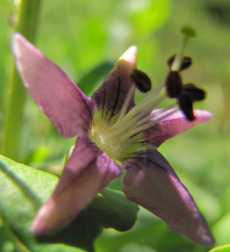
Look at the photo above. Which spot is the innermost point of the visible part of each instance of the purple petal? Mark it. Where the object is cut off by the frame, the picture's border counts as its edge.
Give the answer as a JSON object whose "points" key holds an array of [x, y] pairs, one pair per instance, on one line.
{"points": [[53, 91], [174, 125], [111, 95], [151, 182], [86, 173]]}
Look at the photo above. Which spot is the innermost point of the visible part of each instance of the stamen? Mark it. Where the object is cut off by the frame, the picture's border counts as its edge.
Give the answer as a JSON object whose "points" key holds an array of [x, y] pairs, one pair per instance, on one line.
{"points": [[124, 134], [145, 103], [186, 62], [150, 108], [152, 93], [151, 116], [125, 123], [186, 105], [196, 94], [189, 94], [138, 118], [141, 80], [173, 84], [124, 107], [124, 118], [143, 110], [137, 130]]}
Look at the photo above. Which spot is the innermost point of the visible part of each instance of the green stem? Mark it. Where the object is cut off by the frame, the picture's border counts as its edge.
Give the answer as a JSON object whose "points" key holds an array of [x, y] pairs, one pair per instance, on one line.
{"points": [[26, 25]]}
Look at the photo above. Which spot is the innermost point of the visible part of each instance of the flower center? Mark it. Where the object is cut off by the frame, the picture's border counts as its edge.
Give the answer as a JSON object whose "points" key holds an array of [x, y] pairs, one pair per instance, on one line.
{"points": [[112, 141], [123, 136]]}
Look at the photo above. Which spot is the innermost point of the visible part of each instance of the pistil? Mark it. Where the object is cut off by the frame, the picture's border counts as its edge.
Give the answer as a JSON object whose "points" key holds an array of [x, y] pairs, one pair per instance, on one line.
{"points": [[188, 32]]}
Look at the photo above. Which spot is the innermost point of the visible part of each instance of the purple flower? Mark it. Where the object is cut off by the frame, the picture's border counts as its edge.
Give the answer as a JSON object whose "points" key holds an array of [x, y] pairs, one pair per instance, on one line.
{"points": [[114, 135]]}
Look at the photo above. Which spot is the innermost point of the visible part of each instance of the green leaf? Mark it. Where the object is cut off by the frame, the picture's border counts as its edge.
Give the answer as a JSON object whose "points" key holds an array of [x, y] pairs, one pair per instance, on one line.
{"points": [[7, 241], [92, 79], [224, 248], [25, 189], [148, 16], [112, 209], [221, 229]]}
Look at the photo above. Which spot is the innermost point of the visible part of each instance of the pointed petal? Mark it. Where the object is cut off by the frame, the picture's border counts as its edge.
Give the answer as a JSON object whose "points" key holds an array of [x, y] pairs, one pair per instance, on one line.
{"points": [[86, 173], [53, 91], [151, 182], [111, 95], [174, 125]]}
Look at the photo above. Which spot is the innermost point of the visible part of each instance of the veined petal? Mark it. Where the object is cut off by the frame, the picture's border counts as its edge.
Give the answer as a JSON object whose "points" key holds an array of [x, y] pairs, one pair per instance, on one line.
{"points": [[86, 173], [151, 182], [173, 125], [53, 91], [111, 95]]}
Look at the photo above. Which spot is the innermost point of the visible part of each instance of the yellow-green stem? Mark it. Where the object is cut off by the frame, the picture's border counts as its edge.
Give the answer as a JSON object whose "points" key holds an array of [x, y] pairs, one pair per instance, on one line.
{"points": [[26, 24]]}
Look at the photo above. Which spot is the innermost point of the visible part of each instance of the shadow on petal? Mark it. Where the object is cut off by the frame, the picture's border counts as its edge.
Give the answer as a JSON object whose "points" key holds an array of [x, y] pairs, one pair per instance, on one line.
{"points": [[109, 209], [151, 182]]}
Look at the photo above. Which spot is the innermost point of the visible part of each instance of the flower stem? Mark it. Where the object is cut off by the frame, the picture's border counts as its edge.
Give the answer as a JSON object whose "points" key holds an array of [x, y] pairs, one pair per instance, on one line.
{"points": [[26, 24]]}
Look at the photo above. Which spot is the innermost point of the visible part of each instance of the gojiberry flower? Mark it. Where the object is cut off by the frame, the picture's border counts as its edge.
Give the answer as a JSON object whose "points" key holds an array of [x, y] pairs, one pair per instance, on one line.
{"points": [[114, 134]]}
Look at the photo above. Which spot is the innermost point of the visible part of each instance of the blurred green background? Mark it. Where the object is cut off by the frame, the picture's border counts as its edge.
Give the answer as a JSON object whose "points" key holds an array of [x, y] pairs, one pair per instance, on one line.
{"points": [[81, 35]]}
